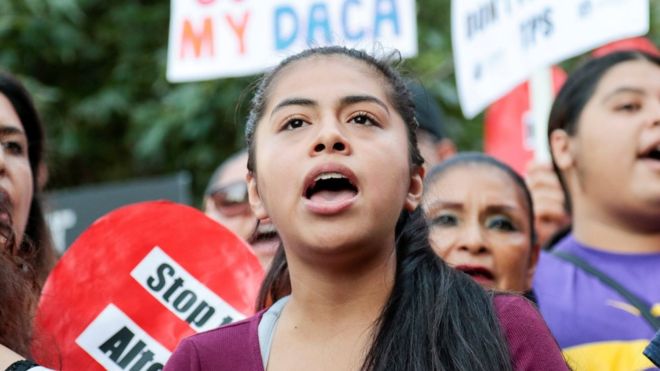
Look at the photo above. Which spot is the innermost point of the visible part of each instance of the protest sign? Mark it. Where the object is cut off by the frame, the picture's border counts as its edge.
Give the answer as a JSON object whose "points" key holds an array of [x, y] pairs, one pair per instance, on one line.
{"points": [[500, 43], [136, 282], [220, 38]]}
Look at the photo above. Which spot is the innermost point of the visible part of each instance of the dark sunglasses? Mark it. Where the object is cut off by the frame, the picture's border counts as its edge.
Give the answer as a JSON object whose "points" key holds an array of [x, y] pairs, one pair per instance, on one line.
{"points": [[231, 199]]}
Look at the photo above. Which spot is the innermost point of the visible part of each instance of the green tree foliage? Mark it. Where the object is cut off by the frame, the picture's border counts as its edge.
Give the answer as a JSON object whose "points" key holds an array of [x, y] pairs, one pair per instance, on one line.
{"points": [[97, 70]]}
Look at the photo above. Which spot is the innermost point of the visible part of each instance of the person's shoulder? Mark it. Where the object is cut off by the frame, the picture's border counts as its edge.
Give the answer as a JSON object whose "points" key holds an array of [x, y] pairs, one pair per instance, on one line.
{"points": [[243, 327], [531, 345], [511, 304], [519, 315], [232, 346]]}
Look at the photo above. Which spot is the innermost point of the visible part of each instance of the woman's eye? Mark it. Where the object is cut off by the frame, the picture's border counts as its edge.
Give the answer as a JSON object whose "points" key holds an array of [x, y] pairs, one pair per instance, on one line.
{"points": [[363, 119], [445, 220], [12, 147], [294, 124], [501, 223], [629, 107]]}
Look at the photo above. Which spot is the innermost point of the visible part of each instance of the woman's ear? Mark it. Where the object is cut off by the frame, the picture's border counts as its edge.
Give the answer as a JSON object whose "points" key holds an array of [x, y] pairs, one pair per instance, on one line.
{"points": [[416, 188], [254, 197], [561, 146]]}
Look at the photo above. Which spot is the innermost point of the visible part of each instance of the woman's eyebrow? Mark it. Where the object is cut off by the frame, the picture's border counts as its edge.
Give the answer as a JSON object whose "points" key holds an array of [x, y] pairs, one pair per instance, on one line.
{"points": [[441, 204], [624, 89], [502, 208], [293, 102], [353, 99], [9, 130]]}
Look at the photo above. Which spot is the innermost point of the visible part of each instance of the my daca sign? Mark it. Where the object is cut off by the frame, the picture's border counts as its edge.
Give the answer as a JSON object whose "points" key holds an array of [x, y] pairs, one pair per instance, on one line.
{"points": [[222, 38]]}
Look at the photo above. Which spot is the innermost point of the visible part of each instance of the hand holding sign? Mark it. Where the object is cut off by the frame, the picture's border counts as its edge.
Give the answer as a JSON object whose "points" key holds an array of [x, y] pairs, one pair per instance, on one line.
{"points": [[139, 280]]}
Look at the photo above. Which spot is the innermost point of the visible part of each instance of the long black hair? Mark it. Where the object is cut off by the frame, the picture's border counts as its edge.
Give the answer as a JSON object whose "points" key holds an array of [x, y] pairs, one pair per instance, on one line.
{"points": [[435, 318], [576, 93], [18, 300]]}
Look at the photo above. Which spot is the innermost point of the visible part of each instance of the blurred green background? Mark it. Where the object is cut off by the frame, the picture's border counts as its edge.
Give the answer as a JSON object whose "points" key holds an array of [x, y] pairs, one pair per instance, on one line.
{"points": [[97, 71]]}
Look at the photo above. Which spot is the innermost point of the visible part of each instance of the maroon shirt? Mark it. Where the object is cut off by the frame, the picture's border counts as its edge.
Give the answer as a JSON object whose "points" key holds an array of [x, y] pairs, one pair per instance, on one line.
{"points": [[235, 347]]}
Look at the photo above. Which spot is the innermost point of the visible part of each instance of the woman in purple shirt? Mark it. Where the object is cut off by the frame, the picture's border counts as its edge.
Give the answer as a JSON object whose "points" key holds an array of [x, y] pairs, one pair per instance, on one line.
{"points": [[333, 162], [604, 133]]}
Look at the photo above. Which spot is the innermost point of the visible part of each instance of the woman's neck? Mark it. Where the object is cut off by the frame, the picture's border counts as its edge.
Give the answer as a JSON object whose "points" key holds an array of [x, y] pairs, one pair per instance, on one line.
{"points": [[328, 323], [620, 234], [331, 295]]}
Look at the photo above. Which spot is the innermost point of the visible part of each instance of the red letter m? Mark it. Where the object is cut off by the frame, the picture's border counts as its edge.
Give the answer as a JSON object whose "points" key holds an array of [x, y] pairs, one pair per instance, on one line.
{"points": [[200, 42]]}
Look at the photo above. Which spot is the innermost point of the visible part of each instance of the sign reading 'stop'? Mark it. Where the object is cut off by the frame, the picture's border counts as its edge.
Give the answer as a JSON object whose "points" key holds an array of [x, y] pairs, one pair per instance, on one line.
{"points": [[139, 280], [220, 38], [500, 43]]}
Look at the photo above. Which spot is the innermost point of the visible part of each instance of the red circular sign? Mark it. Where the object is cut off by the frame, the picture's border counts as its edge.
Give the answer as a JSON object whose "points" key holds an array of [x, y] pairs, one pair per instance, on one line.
{"points": [[136, 282]]}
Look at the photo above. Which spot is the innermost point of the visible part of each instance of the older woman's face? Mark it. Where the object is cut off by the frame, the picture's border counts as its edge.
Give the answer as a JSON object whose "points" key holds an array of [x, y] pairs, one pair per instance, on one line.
{"points": [[479, 223], [16, 181]]}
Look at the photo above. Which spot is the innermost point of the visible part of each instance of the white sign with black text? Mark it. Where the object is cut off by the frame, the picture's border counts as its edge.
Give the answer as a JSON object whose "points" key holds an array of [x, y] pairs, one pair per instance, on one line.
{"points": [[117, 343], [500, 43], [181, 293]]}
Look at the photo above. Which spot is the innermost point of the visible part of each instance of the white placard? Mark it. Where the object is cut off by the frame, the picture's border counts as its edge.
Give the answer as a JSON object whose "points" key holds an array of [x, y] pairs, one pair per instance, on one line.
{"points": [[181, 293], [116, 342], [499, 43], [221, 38]]}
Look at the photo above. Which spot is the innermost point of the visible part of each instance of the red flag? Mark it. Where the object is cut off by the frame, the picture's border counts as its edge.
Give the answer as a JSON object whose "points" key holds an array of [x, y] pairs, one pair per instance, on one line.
{"points": [[508, 128]]}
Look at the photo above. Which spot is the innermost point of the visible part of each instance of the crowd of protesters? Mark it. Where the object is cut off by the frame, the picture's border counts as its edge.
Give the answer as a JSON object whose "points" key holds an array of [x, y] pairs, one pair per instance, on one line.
{"points": [[387, 250]]}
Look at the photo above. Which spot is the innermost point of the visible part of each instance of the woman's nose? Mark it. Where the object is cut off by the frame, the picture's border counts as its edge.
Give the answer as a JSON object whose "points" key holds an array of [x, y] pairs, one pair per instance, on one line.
{"points": [[472, 240], [331, 139]]}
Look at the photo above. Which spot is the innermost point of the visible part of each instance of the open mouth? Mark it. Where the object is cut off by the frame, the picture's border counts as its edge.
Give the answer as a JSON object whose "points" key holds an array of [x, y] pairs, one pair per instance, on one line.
{"points": [[265, 233], [265, 239], [478, 273], [6, 223], [652, 153], [330, 187]]}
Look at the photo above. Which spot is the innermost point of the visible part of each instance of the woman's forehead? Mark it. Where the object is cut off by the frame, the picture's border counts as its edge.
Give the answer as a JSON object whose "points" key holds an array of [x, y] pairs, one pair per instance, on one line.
{"points": [[487, 179], [328, 71], [638, 73]]}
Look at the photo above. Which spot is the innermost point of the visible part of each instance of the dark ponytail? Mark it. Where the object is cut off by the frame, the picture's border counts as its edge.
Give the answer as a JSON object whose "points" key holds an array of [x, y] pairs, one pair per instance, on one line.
{"points": [[276, 284], [436, 318]]}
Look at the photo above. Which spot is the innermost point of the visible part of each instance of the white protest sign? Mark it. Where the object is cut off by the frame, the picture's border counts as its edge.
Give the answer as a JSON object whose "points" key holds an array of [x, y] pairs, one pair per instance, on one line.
{"points": [[221, 38], [499, 43], [115, 341]]}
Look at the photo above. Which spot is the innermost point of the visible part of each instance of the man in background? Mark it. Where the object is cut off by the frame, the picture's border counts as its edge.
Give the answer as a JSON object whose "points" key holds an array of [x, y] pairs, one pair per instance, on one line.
{"points": [[432, 139], [226, 202]]}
